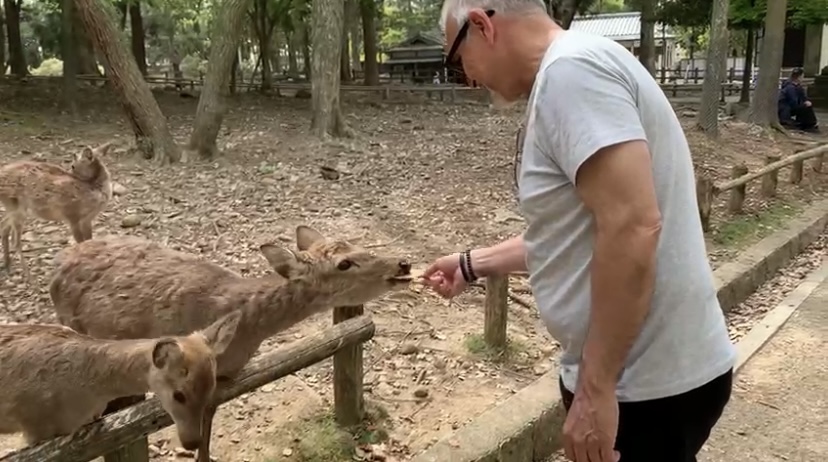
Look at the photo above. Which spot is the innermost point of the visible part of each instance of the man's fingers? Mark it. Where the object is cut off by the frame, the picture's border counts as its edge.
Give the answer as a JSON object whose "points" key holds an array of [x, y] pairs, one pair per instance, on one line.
{"points": [[433, 268], [581, 454], [593, 450], [569, 449]]}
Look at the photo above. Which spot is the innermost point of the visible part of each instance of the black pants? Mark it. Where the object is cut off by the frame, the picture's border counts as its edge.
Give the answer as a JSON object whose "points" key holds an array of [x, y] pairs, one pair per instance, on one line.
{"points": [[671, 429], [805, 117]]}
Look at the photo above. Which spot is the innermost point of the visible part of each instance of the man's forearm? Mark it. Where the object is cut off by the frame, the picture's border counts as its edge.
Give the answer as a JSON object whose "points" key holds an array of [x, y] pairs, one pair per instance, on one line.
{"points": [[507, 257], [623, 279]]}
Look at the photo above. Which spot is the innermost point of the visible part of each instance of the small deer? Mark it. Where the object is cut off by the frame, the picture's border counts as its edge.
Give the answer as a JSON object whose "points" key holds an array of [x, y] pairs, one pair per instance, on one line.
{"points": [[50, 192], [126, 287], [55, 380]]}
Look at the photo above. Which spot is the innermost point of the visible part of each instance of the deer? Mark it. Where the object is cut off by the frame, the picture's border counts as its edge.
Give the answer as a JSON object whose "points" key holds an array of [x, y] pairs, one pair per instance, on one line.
{"points": [[55, 379], [128, 287], [74, 196]]}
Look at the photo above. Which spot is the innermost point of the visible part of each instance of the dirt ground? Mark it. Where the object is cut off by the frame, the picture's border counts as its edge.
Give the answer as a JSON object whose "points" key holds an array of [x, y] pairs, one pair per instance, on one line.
{"points": [[421, 178], [779, 408]]}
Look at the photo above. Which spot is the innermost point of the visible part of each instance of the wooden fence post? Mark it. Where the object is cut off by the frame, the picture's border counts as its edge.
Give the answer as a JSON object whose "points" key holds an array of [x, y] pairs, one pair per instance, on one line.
{"points": [[704, 196], [770, 179], [138, 450], [796, 171], [817, 163], [347, 374], [497, 309], [737, 194]]}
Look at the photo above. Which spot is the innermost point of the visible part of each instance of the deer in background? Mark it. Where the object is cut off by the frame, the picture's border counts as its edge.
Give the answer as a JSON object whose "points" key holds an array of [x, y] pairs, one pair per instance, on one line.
{"points": [[126, 287], [48, 191], [55, 380]]}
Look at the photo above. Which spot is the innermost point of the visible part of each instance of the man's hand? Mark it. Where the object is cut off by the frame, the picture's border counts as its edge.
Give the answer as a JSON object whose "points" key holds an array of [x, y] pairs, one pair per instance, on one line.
{"points": [[444, 276], [807, 103], [591, 426]]}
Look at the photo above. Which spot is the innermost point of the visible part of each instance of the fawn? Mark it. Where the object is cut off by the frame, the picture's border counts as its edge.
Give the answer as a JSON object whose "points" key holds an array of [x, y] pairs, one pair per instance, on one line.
{"points": [[55, 380], [50, 192], [126, 287]]}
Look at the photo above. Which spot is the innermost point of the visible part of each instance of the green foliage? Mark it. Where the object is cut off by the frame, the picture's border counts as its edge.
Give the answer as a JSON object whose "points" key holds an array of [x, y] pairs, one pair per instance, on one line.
{"points": [[742, 14]]}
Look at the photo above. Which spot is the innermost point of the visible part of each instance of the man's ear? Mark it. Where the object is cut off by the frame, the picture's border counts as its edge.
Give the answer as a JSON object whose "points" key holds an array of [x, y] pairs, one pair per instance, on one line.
{"points": [[479, 20], [282, 260]]}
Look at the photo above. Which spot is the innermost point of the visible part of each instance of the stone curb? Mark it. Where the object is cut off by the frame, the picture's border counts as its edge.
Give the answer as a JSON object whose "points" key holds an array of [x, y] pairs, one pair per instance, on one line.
{"points": [[526, 426]]}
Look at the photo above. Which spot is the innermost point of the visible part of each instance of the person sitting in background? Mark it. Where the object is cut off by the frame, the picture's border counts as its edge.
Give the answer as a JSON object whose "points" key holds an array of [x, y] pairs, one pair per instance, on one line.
{"points": [[794, 108]]}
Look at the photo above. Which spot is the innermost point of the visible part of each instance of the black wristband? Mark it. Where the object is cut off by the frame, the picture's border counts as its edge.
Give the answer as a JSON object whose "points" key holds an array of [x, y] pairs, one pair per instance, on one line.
{"points": [[472, 275], [462, 258]]}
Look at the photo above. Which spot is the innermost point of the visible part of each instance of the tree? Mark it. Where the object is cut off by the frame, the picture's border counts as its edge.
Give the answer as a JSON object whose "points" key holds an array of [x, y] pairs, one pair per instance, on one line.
{"points": [[17, 56], [2, 44], [226, 34], [763, 106], [327, 22], [149, 124], [368, 11], [70, 56], [136, 24], [646, 53], [708, 119]]}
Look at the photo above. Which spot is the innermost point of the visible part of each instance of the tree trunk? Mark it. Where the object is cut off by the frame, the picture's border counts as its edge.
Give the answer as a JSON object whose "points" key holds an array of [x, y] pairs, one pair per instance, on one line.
{"points": [[87, 65], [646, 51], [211, 105], [293, 64], [2, 44], [148, 122], [276, 54], [70, 56], [327, 23], [345, 53], [368, 11], [352, 13], [763, 106], [564, 11], [136, 23], [121, 6], [17, 57], [306, 52], [708, 119], [747, 71]]}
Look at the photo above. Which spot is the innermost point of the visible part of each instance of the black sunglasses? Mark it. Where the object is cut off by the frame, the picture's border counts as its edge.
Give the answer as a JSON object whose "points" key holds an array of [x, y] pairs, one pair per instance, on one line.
{"points": [[461, 34]]}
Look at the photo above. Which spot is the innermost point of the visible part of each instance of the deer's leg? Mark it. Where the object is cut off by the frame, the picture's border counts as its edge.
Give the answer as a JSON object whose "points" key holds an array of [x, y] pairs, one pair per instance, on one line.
{"points": [[17, 238], [206, 432], [5, 231], [77, 230], [86, 229]]}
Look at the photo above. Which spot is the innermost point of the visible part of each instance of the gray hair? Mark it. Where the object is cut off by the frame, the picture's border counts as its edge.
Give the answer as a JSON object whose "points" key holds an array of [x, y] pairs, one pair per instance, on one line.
{"points": [[458, 10]]}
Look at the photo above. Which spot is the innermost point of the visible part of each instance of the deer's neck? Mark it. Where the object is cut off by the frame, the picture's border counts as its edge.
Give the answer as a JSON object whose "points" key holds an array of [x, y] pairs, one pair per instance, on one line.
{"points": [[121, 367], [276, 308]]}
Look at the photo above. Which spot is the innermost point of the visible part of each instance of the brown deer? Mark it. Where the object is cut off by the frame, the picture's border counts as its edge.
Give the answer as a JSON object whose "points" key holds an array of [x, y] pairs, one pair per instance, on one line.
{"points": [[126, 287], [50, 192], [55, 380]]}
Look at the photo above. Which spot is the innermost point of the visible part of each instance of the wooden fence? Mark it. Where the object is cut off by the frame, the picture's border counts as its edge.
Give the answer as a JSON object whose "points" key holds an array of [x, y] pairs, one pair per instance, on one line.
{"points": [[122, 436], [443, 91], [498, 293]]}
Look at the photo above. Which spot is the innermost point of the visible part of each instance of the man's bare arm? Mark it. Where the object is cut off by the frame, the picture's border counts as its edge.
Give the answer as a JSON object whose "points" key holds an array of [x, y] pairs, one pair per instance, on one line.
{"points": [[507, 257], [617, 186]]}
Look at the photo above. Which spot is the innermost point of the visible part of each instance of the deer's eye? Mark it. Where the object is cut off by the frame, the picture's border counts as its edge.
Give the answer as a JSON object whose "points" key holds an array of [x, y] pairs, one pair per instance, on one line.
{"points": [[179, 397], [344, 265]]}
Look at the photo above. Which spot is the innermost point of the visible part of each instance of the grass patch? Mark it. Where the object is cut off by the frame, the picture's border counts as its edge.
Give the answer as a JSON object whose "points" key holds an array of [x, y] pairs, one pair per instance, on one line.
{"points": [[320, 439], [746, 229], [477, 346]]}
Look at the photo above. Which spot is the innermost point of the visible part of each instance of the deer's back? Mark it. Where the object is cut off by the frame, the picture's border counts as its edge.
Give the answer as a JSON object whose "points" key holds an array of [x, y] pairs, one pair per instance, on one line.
{"points": [[49, 191], [127, 287], [43, 379]]}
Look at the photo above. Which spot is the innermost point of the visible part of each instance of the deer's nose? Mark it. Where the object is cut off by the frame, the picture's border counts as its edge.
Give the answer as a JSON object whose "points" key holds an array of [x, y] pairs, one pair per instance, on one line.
{"points": [[405, 267], [191, 445]]}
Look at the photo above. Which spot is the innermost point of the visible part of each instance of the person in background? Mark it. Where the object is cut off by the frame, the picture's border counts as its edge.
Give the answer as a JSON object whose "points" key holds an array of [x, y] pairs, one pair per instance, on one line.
{"points": [[794, 108], [614, 245]]}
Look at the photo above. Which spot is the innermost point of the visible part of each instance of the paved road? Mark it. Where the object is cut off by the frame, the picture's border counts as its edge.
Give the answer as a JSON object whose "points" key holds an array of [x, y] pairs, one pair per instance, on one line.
{"points": [[779, 408]]}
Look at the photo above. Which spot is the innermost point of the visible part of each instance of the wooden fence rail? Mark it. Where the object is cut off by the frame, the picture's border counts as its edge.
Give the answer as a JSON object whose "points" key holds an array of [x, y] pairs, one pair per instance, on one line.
{"points": [[115, 431], [444, 91], [497, 287]]}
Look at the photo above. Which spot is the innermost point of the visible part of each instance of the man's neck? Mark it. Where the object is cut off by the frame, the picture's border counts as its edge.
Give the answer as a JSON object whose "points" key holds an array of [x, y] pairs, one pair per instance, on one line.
{"points": [[535, 39]]}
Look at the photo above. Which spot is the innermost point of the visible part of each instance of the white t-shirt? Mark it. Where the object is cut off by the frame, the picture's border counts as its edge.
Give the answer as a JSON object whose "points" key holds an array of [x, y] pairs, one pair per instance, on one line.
{"points": [[590, 93]]}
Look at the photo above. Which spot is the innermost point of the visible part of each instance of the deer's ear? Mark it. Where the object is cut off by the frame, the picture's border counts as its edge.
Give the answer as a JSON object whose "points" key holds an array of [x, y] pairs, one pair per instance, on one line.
{"points": [[221, 333], [307, 236], [166, 353], [282, 260]]}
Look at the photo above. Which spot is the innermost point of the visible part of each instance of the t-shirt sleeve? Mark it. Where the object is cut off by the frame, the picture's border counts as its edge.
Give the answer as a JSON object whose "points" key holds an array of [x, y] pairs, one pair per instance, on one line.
{"points": [[582, 107]]}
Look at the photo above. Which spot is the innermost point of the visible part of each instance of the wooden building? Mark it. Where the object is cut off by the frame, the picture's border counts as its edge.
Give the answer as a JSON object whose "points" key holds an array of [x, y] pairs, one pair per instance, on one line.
{"points": [[417, 59]]}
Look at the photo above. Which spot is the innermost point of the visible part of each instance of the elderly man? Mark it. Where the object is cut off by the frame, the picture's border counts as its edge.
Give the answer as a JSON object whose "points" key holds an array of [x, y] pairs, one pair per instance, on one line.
{"points": [[614, 244]]}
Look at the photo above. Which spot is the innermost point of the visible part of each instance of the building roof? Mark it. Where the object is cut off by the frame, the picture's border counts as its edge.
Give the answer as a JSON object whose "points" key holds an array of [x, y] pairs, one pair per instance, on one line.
{"points": [[615, 26], [421, 39]]}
